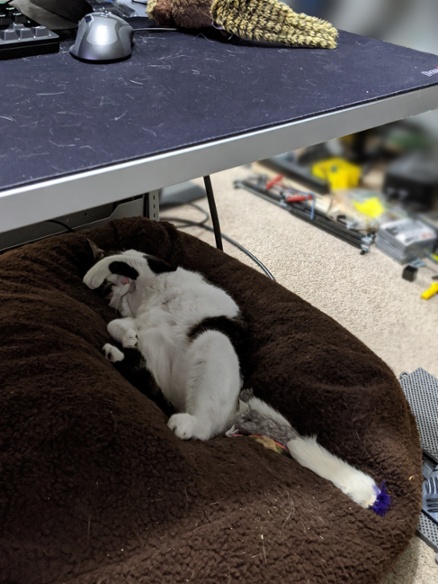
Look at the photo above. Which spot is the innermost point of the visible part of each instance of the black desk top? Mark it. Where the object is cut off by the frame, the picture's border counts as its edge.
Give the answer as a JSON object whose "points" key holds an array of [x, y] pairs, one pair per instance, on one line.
{"points": [[60, 116]]}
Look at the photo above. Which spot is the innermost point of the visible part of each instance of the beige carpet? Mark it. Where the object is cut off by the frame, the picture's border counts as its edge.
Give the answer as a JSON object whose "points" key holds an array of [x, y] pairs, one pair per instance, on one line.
{"points": [[366, 294]]}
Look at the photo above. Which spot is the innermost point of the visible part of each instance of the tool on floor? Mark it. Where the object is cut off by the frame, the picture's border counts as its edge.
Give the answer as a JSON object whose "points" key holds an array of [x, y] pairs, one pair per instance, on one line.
{"points": [[430, 292], [297, 203]]}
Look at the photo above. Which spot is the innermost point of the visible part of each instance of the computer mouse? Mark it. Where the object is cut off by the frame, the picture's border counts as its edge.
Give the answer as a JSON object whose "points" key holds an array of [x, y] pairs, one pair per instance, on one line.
{"points": [[102, 37]]}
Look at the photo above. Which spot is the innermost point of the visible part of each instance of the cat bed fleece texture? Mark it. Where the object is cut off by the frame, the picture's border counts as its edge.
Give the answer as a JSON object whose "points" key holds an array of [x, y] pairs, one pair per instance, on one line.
{"points": [[94, 488]]}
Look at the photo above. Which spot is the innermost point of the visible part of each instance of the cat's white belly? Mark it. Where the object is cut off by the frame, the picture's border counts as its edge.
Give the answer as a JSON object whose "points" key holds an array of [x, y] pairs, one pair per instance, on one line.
{"points": [[164, 350]]}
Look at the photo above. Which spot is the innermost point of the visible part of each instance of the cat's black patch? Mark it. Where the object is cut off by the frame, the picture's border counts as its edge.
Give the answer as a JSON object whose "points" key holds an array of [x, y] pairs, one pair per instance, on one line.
{"points": [[123, 269], [236, 329], [159, 266], [133, 369]]}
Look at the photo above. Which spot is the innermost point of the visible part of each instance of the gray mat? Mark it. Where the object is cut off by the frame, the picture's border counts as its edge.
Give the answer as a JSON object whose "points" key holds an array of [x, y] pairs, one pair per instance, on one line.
{"points": [[421, 390]]}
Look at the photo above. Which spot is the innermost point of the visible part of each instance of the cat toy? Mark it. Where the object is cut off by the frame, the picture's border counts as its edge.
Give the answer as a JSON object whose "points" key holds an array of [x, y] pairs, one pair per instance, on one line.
{"points": [[268, 21], [383, 500]]}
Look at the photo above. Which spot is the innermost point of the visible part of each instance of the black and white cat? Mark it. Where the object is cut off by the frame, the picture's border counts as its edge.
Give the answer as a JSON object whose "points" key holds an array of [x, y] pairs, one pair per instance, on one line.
{"points": [[177, 320]]}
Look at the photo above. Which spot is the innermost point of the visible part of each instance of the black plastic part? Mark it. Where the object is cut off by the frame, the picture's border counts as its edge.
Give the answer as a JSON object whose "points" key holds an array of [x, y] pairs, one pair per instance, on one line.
{"points": [[73, 10], [180, 194], [409, 273]]}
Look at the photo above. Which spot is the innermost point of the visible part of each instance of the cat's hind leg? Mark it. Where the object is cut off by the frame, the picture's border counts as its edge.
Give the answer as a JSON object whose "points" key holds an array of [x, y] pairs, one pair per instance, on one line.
{"points": [[112, 353], [212, 388]]}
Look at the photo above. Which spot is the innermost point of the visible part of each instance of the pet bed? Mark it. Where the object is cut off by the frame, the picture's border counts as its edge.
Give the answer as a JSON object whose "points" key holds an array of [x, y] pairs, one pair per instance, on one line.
{"points": [[95, 488]]}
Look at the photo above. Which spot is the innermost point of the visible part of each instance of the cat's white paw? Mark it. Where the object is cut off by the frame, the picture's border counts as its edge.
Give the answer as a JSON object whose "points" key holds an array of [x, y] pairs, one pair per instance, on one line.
{"points": [[130, 339], [187, 426], [112, 353], [359, 487], [183, 425], [96, 275]]}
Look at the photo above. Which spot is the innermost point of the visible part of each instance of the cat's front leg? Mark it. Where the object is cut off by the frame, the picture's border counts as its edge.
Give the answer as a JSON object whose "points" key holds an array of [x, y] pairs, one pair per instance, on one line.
{"points": [[111, 267], [96, 275], [124, 331]]}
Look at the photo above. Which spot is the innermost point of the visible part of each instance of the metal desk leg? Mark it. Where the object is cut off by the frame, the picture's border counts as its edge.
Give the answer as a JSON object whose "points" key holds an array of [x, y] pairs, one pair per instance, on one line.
{"points": [[213, 212], [151, 206]]}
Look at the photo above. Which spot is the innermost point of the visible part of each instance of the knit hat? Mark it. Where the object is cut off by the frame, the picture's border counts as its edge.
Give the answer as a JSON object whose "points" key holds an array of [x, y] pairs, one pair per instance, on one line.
{"points": [[258, 20]]}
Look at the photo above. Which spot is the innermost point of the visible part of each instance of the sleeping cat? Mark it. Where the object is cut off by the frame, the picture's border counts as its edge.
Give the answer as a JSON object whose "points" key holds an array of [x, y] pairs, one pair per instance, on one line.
{"points": [[181, 325], [160, 309]]}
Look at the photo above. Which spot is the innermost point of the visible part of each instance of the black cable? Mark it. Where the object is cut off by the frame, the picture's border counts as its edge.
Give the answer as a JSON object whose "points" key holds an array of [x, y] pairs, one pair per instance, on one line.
{"points": [[213, 212], [189, 223], [155, 28], [66, 227], [244, 250]]}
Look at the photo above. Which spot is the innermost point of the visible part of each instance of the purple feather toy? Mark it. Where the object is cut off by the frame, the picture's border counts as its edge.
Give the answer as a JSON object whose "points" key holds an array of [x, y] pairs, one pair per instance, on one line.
{"points": [[383, 500]]}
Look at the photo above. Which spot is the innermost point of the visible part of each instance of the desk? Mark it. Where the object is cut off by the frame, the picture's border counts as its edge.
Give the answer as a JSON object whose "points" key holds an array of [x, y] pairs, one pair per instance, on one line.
{"points": [[75, 136]]}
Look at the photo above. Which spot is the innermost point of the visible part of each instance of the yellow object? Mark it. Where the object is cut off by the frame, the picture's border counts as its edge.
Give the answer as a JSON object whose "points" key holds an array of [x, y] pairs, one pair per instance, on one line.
{"points": [[372, 207], [339, 173], [427, 294]]}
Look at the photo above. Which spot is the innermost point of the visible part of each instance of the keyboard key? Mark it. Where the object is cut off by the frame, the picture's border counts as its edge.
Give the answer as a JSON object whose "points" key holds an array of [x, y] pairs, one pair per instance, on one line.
{"points": [[39, 31], [19, 17], [5, 20], [8, 34], [25, 33]]}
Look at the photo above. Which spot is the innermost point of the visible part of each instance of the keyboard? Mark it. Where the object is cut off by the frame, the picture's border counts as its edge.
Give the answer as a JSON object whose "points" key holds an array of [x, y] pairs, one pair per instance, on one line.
{"points": [[22, 37]]}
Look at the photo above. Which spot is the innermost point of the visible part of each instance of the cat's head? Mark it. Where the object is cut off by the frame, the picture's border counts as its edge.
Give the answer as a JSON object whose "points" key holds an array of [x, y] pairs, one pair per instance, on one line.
{"points": [[119, 275], [155, 264]]}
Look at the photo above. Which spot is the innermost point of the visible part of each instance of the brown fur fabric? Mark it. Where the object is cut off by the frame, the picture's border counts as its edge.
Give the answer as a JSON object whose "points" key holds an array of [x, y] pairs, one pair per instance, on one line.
{"points": [[95, 488]]}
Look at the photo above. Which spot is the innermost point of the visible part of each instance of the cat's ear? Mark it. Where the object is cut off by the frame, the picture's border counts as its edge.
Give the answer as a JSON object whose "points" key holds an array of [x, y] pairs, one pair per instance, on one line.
{"points": [[98, 253], [159, 266]]}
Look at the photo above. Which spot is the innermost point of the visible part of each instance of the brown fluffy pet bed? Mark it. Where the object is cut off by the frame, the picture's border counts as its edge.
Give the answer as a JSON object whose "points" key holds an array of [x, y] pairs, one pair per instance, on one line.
{"points": [[94, 488]]}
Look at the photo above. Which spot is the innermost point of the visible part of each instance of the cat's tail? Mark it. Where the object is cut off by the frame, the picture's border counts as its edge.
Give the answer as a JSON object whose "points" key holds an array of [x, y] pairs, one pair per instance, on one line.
{"points": [[353, 482], [306, 450]]}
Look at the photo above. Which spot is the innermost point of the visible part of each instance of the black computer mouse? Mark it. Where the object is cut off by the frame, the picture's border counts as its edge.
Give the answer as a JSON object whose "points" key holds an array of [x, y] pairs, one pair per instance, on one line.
{"points": [[102, 37]]}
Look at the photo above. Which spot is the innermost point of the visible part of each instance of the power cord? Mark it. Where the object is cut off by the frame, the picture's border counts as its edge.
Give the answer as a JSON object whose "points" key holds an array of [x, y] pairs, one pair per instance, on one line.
{"points": [[244, 250], [182, 223], [62, 224]]}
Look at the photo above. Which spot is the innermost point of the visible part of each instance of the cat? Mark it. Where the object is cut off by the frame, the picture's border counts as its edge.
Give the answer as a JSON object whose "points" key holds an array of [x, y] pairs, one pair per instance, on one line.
{"points": [[183, 327], [162, 312]]}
